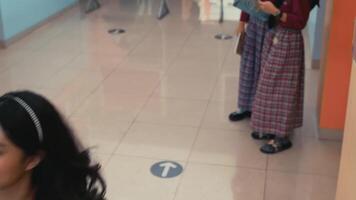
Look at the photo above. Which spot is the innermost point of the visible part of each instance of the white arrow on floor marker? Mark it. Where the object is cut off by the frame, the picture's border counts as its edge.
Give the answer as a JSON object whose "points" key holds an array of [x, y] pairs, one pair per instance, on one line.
{"points": [[167, 166]]}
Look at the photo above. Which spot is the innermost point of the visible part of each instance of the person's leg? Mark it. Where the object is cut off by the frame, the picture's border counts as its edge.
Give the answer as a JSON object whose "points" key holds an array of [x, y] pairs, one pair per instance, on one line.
{"points": [[278, 105], [249, 68]]}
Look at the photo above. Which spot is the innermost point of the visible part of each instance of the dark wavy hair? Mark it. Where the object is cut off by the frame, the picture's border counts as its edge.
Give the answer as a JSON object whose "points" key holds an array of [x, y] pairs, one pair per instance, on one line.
{"points": [[66, 171]]}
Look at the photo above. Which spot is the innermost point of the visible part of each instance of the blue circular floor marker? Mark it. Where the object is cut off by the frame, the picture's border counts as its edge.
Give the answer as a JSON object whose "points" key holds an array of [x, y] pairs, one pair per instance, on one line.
{"points": [[166, 169]]}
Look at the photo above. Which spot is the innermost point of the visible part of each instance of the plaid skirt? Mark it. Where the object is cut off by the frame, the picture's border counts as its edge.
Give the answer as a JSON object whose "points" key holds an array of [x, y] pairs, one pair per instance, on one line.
{"points": [[278, 104], [251, 62]]}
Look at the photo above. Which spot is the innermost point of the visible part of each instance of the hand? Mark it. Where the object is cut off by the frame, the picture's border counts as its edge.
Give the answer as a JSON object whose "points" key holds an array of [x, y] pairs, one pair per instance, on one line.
{"points": [[240, 28], [268, 7]]}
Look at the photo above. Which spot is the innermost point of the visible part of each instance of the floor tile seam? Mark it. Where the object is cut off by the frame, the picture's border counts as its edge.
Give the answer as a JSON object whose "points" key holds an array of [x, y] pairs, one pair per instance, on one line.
{"points": [[301, 173], [189, 163], [217, 79], [184, 44], [227, 132], [177, 98], [125, 134], [53, 21], [147, 34], [38, 48], [141, 107], [40, 84], [227, 165], [151, 158], [164, 125], [266, 179], [218, 75], [171, 63], [168, 67], [87, 97], [212, 82], [134, 48], [56, 72], [118, 65], [48, 40], [71, 60], [180, 182], [158, 82], [12, 65], [199, 131], [96, 160], [202, 119], [107, 76], [64, 66], [239, 130], [148, 99], [171, 125]]}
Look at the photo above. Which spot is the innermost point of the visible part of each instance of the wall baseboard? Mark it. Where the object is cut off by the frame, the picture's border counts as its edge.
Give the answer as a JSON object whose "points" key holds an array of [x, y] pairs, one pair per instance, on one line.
{"points": [[330, 134], [19, 36], [325, 133]]}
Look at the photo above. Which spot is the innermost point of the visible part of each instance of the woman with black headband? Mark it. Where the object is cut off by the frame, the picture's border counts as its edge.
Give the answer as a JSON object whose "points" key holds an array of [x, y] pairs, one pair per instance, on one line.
{"points": [[278, 105], [39, 157]]}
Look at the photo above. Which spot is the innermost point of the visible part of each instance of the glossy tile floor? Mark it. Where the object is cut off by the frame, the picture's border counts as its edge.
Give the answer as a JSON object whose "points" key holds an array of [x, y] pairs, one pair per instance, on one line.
{"points": [[163, 91]]}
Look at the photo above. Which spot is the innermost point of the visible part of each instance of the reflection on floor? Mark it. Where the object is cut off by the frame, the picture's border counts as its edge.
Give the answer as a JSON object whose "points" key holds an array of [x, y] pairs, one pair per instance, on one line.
{"points": [[162, 91]]}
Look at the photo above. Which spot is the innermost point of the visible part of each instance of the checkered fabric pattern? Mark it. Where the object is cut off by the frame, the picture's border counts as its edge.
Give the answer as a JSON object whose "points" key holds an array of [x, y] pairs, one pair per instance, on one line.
{"points": [[278, 105], [251, 62]]}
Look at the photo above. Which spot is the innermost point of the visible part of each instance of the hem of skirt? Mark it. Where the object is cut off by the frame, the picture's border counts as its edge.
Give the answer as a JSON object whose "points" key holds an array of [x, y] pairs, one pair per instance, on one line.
{"points": [[276, 132], [245, 108]]}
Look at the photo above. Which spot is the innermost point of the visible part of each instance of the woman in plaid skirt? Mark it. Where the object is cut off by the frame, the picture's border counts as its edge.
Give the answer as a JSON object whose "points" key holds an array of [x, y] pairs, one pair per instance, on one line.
{"points": [[278, 104], [250, 64]]}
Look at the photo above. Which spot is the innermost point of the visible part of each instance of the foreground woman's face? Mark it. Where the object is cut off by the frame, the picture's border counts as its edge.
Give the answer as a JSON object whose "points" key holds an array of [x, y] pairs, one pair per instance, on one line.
{"points": [[12, 163]]}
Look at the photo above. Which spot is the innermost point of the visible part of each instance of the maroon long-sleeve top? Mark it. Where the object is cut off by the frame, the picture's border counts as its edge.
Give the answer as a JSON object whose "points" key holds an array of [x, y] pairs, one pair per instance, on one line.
{"points": [[297, 14]]}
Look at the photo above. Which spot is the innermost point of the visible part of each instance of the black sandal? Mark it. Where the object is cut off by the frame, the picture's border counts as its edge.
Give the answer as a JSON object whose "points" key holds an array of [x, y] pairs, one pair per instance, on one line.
{"points": [[262, 136], [276, 145], [236, 116]]}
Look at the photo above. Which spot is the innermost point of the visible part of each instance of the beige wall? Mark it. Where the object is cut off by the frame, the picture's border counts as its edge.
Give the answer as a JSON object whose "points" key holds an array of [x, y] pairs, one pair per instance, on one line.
{"points": [[347, 177]]}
